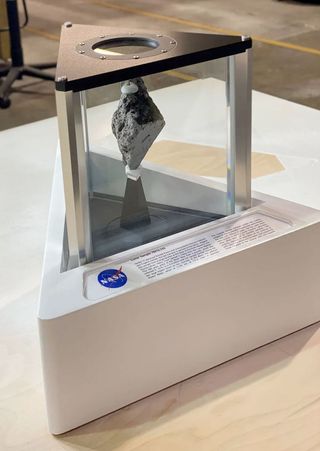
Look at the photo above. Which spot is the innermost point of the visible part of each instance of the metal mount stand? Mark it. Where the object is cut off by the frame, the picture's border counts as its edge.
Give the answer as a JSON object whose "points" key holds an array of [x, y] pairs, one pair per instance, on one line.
{"points": [[17, 69], [135, 208]]}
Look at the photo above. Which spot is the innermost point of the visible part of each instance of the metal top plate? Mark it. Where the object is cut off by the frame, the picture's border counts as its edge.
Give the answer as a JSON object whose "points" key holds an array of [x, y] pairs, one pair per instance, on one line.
{"points": [[80, 67]]}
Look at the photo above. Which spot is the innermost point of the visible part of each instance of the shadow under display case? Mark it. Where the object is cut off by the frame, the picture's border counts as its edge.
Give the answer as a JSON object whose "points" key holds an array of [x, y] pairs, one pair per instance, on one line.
{"points": [[154, 235]]}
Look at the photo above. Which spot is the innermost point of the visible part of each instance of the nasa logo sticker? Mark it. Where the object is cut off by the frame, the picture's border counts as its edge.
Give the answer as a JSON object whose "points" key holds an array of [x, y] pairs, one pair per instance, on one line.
{"points": [[112, 278]]}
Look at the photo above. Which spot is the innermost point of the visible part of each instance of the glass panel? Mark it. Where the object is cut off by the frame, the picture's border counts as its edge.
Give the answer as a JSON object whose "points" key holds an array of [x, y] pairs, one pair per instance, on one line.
{"points": [[157, 156]]}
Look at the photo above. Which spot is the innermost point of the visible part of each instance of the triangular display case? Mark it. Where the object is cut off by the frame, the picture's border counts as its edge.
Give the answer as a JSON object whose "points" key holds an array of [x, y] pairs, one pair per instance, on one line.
{"points": [[125, 312]]}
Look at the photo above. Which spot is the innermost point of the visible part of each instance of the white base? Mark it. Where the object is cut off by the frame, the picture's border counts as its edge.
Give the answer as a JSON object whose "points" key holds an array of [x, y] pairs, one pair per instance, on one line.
{"points": [[103, 354]]}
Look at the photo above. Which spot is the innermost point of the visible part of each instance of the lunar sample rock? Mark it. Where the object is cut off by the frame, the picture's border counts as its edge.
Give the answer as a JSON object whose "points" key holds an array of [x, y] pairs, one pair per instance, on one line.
{"points": [[136, 123]]}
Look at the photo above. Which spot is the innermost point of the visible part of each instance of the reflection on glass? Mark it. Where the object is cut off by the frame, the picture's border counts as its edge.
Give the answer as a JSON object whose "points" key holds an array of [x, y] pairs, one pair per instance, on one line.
{"points": [[173, 125]]}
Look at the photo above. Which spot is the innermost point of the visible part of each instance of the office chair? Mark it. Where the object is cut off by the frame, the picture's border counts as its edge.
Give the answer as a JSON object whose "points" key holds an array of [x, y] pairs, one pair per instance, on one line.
{"points": [[16, 69]]}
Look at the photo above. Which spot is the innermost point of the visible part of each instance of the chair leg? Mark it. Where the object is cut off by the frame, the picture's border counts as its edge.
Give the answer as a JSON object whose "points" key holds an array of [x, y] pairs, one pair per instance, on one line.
{"points": [[37, 73], [44, 65], [15, 73], [4, 70], [5, 88]]}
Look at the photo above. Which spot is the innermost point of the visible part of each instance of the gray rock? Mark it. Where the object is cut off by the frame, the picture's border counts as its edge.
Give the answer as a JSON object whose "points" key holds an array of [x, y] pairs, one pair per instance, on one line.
{"points": [[136, 123]]}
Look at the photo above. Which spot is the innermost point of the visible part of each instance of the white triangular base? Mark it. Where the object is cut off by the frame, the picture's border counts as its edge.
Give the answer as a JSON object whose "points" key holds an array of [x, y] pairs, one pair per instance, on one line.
{"points": [[102, 352]]}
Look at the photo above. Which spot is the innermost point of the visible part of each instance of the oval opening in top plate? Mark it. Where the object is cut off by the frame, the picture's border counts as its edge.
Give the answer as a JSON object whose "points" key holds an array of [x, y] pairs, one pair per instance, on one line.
{"points": [[125, 46]]}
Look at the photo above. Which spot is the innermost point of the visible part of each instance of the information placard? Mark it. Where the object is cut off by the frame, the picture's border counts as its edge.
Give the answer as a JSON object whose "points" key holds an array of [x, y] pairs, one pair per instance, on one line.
{"points": [[164, 261]]}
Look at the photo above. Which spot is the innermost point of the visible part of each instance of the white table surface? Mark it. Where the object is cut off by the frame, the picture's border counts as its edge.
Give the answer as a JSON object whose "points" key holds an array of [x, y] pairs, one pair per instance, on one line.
{"points": [[27, 158]]}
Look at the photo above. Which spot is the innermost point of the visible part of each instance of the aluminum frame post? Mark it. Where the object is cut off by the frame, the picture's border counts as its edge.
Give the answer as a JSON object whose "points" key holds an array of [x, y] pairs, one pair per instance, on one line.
{"points": [[73, 144], [239, 88]]}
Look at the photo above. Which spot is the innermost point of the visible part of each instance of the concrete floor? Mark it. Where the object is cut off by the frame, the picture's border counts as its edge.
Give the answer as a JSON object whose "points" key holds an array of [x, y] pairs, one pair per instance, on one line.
{"points": [[286, 44]]}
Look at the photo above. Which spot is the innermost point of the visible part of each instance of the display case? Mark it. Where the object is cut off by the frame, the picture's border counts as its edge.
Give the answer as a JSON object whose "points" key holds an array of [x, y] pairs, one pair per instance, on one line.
{"points": [[188, 89], [160, 263]]}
